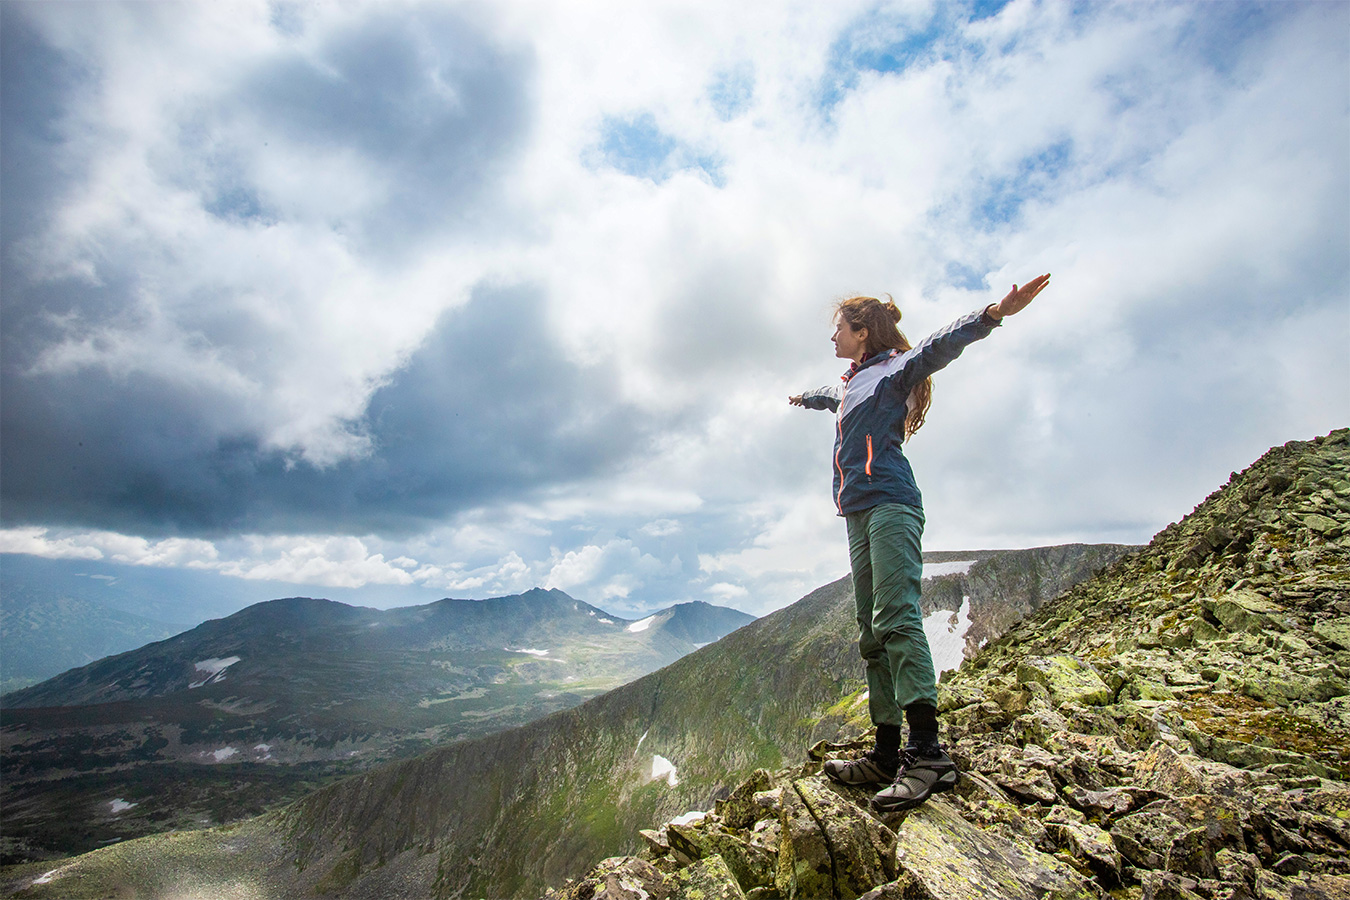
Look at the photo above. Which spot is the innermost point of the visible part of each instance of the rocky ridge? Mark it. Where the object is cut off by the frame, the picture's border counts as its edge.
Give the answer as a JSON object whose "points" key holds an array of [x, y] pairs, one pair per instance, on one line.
{"points": [[1175, 729]]}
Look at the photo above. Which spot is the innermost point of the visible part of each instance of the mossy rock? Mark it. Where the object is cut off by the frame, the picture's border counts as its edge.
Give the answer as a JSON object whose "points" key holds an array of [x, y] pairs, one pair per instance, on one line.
{"points": [[1067, 678], [940, 854], [708, 879], [1335, 631]]}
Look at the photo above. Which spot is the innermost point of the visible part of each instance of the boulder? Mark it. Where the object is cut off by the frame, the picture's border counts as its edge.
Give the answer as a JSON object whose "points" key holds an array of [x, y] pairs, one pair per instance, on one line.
{"points": [[861, 848], [619, 878], [941, 856], [1067, 678], [1334, 631], [1023, 772], [739, 810], [1085, 842], [707, 879], [1166, 771], [1245, 610], [804, 868]]}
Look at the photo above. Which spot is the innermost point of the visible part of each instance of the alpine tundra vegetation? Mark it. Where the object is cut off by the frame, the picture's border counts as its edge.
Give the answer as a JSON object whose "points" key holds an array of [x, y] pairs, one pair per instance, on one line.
{"points": [[1176, 727]]}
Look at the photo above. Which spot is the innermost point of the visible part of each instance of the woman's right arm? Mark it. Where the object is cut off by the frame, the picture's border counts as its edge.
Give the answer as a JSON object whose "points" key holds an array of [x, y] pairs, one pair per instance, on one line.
{"points": [[820, 398]]}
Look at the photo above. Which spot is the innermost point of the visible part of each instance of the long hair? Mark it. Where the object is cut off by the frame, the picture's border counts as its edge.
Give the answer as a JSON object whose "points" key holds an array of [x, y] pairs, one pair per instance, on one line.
{"points": [[880, 320]]}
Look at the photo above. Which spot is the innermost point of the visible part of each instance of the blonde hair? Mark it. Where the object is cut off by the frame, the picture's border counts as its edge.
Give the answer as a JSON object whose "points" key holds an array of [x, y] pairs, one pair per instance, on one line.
{"points": [[880, 319]]}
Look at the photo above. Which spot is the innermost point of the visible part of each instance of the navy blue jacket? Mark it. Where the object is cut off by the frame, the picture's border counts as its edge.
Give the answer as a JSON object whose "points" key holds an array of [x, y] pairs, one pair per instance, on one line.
{"points": [[869, 466]]}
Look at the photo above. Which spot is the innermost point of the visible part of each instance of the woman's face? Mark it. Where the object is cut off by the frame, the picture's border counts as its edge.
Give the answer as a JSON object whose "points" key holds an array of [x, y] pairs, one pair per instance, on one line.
{"points": [[848, 344]]}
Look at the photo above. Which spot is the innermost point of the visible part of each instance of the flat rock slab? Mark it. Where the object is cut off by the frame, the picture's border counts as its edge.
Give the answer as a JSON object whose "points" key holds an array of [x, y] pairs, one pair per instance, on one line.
{"points": [[941, 856]]}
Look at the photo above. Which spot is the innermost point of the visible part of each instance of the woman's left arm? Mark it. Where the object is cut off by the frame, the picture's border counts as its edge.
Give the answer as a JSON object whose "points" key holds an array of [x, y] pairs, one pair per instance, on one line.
{"points": [[1017, 299], [942, 347]]}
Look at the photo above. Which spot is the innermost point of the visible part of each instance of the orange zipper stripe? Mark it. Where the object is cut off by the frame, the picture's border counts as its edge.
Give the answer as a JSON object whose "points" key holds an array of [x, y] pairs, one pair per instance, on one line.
{"points": [[868, 467]]}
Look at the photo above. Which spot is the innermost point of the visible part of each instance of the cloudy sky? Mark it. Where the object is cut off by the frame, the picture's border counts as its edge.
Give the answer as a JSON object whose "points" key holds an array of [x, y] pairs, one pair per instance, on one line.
{"points": [[474, 297]]}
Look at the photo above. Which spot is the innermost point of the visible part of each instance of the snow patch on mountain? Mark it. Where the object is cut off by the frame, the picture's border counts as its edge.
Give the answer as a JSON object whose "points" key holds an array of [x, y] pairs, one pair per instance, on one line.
{"points": [[946, 632], [664, 768], [642, 624], [955, 567], [213, 669]]}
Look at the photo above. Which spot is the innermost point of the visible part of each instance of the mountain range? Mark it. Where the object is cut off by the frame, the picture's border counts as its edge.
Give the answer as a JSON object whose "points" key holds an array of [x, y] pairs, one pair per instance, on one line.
{"points": [[242, 713], [579, 782]]}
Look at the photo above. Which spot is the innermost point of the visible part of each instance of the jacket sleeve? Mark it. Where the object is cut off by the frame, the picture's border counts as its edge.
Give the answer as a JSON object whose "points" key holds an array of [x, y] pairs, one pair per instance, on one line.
{"points": [[824, 398], [937, 350]]}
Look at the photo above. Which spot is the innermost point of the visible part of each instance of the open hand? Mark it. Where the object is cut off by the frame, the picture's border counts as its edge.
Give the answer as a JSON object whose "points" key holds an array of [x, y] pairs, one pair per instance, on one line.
{"points": [[1018, 298], [795, 400]]}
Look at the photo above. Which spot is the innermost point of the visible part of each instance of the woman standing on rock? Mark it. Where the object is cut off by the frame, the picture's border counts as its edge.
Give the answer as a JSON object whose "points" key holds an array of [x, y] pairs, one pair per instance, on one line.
{"points": [[881, 403]]}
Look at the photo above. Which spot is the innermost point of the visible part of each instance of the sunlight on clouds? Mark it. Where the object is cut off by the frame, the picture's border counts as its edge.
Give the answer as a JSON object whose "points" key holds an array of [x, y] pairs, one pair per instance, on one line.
{"points": [[725, 591], [110, 546], [34, 541], [328, 561]]}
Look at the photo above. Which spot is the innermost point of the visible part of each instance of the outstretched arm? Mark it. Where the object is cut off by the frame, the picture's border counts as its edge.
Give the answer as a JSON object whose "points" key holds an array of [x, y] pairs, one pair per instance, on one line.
{"points": [[1017, 299], [939, 349], [820, 398]]}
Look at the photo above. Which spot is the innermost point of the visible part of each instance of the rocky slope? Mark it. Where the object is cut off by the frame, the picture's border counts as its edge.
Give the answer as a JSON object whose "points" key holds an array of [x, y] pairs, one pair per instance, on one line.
{"points": [[1176, 729], [569, 787], [254, 710]]}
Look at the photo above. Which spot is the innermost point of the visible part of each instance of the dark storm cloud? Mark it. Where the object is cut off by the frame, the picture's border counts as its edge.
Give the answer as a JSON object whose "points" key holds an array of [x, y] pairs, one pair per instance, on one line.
{"points": [[431, 110], [36, 85], [425, 98], [486, 410], [425, 106]]}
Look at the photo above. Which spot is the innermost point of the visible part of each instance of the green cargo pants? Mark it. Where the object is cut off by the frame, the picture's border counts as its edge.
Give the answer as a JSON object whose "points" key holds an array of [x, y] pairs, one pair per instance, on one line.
{"points": [[884, 545]]}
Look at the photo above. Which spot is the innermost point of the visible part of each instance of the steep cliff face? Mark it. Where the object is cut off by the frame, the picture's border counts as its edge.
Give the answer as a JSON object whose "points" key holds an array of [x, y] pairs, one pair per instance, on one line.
{"points": [[998, 588], [1175, 729]]}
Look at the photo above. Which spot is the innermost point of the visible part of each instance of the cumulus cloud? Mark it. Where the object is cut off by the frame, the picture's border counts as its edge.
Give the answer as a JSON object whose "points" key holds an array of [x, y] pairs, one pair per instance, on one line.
{"points": [[455, 296]]}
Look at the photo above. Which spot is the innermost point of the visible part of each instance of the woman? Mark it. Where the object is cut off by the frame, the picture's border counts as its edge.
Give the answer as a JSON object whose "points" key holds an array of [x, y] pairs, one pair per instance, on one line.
{"points": [[881, 403]]}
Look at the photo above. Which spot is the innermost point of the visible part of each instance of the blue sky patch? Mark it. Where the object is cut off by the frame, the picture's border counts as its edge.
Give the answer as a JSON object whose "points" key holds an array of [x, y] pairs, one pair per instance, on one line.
{"points": [[966, 277], [638, 147], [732, 90], [986, 9], [1219, 36], [883, 43], [1003, 197], [238, 204]]}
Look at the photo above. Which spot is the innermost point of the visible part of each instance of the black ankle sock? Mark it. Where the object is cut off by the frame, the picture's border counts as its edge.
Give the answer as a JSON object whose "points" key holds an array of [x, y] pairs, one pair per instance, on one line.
{"points": [[923, 728], [888, 741]]}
